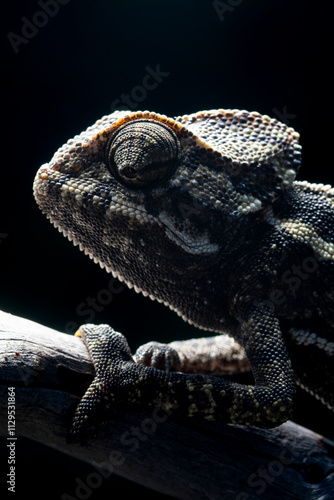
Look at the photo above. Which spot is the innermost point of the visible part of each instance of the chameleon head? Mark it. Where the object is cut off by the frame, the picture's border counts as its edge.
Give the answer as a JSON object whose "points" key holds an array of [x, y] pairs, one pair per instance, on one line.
{"points": [[155, 199]]}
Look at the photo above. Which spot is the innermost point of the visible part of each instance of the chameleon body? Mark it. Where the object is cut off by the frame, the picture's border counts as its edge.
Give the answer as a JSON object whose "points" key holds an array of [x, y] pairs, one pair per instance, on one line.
{"points": [[203, 213]]}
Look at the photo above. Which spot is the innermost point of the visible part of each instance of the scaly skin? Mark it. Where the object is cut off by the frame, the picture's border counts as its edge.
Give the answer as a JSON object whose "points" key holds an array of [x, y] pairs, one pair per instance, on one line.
{"points": [[202, 213]]}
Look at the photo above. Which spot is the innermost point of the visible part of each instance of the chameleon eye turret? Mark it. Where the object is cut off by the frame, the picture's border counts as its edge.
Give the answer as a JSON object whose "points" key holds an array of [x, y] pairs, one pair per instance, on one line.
{"points": [[143, 153]]}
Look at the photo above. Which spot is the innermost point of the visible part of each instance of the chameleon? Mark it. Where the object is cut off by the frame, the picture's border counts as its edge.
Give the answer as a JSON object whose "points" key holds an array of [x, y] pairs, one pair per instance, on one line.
{"points": [[204, 214]]}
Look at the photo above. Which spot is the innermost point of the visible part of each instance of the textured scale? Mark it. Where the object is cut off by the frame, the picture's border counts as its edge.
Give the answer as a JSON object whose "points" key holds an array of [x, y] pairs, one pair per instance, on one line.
{"points": [[203, 213]]}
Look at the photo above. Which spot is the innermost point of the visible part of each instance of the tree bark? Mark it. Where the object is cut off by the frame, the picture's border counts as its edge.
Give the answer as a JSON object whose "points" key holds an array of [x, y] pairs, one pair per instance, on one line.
{"points": [[47, 372]]}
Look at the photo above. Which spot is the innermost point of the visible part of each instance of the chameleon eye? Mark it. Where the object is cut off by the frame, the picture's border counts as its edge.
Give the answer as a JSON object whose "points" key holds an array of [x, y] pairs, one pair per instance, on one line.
{"points": [[143, 153]]}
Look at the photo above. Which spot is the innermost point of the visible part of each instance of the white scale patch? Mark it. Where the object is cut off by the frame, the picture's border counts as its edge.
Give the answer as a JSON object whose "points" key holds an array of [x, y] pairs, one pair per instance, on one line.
{"points": [[248, 204], [308, 235], [322, 189]]}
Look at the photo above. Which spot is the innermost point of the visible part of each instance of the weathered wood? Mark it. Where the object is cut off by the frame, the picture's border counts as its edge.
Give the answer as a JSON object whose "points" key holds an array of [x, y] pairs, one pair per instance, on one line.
{"points": [[184, 458]]}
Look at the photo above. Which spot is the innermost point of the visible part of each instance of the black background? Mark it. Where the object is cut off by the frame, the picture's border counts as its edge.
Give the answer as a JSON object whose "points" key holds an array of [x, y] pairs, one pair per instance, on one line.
{"points": [[272, 57]]}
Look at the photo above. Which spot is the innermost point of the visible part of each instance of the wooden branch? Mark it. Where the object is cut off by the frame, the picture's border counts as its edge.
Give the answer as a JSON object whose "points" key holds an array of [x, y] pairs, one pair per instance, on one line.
{"points": [[184, 458]]}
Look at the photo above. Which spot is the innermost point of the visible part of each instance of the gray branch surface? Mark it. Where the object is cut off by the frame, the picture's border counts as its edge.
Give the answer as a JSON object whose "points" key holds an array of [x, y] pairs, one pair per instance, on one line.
{"points": [[183, 458]]}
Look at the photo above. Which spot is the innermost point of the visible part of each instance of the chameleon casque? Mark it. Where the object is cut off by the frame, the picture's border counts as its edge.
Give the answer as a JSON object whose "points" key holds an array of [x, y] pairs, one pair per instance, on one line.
{"points": [[202, 212]]}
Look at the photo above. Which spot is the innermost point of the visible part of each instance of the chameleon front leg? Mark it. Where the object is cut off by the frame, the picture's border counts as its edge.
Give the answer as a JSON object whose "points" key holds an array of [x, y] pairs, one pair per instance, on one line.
{"points": [[270, 401], [120, 381]]}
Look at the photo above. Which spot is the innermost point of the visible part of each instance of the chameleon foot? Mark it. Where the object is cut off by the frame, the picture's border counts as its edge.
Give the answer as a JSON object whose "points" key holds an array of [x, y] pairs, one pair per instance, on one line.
{"points": [[111, 357], [157, 355]]}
